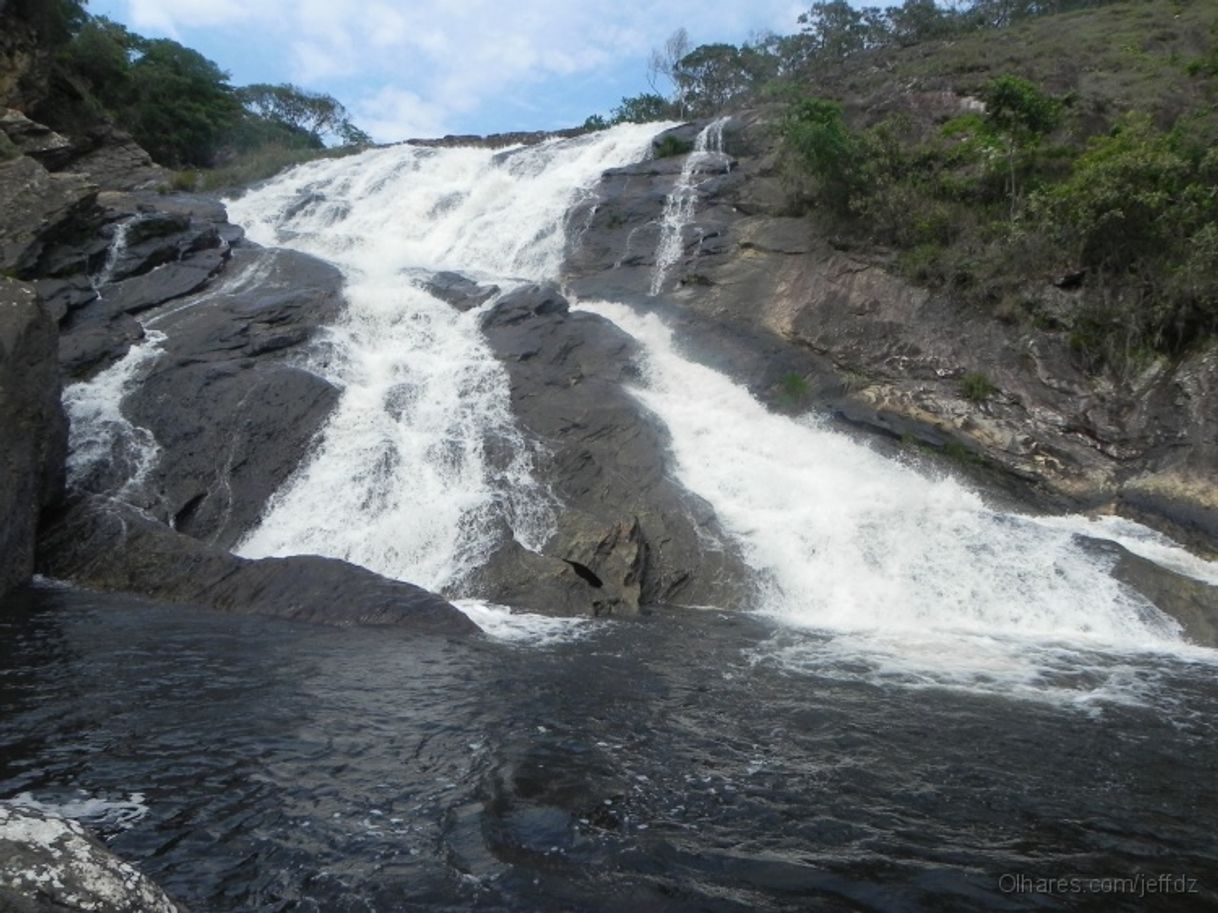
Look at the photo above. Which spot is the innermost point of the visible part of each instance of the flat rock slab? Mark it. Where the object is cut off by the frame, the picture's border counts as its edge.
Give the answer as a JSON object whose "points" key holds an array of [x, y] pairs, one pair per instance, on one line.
{"points": [[106, 545]]}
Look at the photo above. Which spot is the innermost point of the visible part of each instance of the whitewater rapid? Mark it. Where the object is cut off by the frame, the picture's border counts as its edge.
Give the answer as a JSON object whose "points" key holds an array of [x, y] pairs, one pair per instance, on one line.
{"points": [[912, 576], [421, 465]]}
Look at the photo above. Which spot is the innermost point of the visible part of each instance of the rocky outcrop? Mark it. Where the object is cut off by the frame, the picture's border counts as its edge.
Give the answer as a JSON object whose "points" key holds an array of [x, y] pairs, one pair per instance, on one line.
{"points": [[33, 443], [108, 545], [231, 413], [50, 864], [460, 291], [627, 534], [38, 207], [756, 287]]}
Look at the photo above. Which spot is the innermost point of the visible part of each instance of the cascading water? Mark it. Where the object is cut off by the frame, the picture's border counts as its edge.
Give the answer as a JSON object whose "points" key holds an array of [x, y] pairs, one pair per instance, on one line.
{"points": [[405, 480], [887, 566], [682, 202]]}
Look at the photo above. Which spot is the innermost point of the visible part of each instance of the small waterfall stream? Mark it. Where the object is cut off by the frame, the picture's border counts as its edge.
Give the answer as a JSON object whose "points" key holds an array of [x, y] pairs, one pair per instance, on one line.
{"points": [[682, 202]]}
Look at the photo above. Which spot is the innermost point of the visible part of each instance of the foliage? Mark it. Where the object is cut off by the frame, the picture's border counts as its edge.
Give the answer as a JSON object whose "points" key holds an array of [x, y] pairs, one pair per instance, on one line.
{"points": [[642, 109], [976, 387], [1140, 211], [596, 122], [314, 114], [669, 145], [180, 106], [713, 77], [815, 135], [54, 21], [177, 104]]}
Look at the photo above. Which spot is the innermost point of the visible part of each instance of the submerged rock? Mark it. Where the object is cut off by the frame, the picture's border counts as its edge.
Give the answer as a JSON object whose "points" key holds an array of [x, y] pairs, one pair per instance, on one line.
{"points": [[107, 545], [50, 864], [458, 290], [33, 439], [628, 535]]}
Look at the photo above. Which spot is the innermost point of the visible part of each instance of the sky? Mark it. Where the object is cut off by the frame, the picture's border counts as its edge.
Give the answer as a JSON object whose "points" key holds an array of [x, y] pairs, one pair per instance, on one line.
{"points": [[418, 68]]}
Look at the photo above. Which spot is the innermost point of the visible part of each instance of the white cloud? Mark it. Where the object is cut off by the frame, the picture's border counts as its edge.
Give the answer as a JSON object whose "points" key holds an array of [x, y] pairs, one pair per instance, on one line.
{"points": [[426, 62], [394, 114]]}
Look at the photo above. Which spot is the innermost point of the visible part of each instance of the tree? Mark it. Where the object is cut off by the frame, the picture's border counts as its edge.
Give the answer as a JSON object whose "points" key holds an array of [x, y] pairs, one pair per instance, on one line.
{"points": [[662, 67], [642, 109], [1019, 115], [55, 21], [314, 113], [178, 104], [836, 29], [713, 76], [815, 134]]}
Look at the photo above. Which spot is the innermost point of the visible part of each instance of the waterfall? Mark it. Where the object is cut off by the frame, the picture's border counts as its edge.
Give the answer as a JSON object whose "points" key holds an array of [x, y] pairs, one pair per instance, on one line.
{"points": [[107, 453], [421, 466], [682, 201], [861, 550]]}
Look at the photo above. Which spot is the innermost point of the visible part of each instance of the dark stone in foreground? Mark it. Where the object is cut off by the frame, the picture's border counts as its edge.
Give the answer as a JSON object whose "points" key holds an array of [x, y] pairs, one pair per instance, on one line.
{"points": [[107, 545], [33, 428], [50, 864], [624, 523]]}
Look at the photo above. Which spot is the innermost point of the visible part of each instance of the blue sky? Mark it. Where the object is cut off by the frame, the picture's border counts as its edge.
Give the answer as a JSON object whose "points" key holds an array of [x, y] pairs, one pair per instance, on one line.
{"points": [[410, 68]]}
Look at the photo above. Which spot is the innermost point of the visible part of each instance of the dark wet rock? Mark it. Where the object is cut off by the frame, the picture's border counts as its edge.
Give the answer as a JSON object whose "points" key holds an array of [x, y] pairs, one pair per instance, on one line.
{"points": [[33, 443], [62, 296], [755, 286], [623, 520], [37, 205], [232, 414], [93, 343], [112, 160], [1191, 602], [35, 140], [460, 291], [50, 864], [164, 283], [107, 545]]}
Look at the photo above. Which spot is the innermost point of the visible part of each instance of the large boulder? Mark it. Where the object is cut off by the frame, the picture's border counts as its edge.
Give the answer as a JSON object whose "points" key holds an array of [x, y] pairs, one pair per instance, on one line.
{"points": [[50, 864], [34, 439], [628, 535], [37, 206], [104, 544], [232, 411]]}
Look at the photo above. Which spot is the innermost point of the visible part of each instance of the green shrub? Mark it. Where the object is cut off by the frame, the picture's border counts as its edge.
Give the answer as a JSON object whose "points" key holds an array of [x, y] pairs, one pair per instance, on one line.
{"points": [[670, 145], [976, 387]]}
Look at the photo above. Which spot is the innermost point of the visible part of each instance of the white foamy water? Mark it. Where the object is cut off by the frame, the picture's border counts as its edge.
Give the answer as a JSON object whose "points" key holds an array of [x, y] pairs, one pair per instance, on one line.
{"points": [[421, 464], [528, 628], [106, 452], [912, 579], [682, 201], [80, 806]]}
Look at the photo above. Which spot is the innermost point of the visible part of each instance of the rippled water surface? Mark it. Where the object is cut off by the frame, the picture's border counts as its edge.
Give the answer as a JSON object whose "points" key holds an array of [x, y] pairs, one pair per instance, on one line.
{"points": [[673, 763]]}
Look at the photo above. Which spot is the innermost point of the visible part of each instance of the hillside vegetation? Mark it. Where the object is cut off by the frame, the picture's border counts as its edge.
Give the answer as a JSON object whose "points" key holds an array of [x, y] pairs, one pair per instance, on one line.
{"points": [[997, 147], [176, 103]]}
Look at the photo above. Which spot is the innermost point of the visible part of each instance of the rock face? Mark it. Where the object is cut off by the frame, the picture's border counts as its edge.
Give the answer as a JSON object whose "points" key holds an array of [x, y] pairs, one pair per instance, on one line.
{"points": [[33, 443], [628, 535], [107, 545], [755, 287], [53, 865], [37, 206], [232, 416]]}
